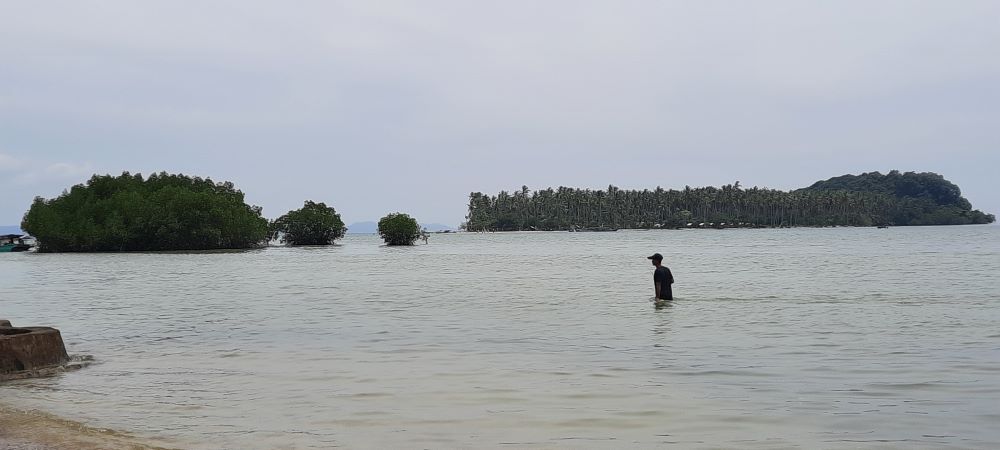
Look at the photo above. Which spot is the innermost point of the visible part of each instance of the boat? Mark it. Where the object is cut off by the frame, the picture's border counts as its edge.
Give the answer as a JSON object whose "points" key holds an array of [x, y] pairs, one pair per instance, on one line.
{"points": [[13, 243]]}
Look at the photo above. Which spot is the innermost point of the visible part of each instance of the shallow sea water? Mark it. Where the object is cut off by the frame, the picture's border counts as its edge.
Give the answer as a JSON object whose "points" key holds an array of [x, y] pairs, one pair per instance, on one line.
{"points": [[792, 338]]}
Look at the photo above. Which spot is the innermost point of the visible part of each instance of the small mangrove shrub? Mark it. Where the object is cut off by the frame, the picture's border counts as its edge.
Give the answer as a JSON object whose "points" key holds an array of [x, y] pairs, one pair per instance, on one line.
{"points": [[398, 229], [313, 224]]}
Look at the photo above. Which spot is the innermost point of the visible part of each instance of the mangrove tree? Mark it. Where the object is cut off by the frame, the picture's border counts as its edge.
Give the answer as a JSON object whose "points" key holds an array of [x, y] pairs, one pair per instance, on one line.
{"points": [[161, 212], [398, 229], [313, 224]]}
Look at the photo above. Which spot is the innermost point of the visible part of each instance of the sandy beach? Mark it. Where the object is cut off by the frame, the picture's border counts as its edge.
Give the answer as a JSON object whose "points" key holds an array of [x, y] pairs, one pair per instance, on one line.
{"points": [[33, 430]]}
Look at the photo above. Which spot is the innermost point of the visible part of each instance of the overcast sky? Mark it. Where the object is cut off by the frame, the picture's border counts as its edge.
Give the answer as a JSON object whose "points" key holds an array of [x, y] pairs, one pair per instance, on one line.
{"points": [[383, 106]]}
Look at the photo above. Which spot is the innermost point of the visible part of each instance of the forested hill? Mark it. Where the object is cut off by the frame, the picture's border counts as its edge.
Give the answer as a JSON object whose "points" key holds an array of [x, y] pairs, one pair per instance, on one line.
{"points": [[850, 200], [924, 198], [927, 185]]}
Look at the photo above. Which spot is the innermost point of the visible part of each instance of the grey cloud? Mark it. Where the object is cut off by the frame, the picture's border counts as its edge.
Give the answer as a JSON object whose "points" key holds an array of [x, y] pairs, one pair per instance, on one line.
{"points": [[384, 106]]}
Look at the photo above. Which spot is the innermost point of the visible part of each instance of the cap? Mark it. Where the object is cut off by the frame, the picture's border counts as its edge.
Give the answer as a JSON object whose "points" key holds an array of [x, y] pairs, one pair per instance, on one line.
{"points": [[655, 257]]}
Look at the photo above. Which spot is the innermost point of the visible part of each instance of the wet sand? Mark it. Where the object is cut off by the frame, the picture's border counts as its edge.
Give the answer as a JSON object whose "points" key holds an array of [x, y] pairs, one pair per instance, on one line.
{"points": [[33, 430]]}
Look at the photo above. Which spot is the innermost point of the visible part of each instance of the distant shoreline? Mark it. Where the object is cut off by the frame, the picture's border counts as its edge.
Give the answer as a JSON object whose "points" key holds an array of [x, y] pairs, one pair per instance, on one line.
{"points": [[734, 227]]}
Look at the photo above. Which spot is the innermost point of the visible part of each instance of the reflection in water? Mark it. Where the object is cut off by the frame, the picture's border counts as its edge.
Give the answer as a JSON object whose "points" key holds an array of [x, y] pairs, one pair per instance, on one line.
{"points": [[779, 338], [662, 304]]}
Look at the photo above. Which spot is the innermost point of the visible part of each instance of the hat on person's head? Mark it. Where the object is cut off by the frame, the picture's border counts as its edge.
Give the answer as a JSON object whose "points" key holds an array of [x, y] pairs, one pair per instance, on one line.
{"points": [[655, 257]]}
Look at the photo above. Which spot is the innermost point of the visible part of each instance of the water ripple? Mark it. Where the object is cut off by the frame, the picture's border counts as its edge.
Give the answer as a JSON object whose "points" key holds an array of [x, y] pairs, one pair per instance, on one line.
{"points": [[832, 338]]}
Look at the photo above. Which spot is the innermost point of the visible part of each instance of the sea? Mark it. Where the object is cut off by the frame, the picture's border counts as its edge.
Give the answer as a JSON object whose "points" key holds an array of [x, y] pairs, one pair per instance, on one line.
{"points": [[776, 338]]}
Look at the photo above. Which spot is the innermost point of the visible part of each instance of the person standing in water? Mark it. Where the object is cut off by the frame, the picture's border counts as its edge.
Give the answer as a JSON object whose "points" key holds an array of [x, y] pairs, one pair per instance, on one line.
{"points": [[662, 278]]}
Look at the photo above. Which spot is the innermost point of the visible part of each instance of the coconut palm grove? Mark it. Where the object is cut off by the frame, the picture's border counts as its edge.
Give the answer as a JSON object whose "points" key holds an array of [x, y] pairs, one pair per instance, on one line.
{"points": [[851, 200]]}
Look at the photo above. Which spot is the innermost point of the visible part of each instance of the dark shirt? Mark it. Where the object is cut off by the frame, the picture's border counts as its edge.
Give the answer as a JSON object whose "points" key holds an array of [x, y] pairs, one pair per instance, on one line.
{"points": [[663, 276]]}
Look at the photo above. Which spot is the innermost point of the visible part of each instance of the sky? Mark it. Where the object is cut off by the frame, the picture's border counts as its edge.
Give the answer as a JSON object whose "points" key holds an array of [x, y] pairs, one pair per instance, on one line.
{"points": [[381, 106]]}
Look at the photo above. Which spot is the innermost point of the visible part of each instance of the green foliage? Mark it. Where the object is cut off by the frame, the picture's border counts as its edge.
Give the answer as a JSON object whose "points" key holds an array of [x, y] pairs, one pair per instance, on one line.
{"points": [[919, 198], [865, 200], [314, 224], [398, 229], [162, 212]]}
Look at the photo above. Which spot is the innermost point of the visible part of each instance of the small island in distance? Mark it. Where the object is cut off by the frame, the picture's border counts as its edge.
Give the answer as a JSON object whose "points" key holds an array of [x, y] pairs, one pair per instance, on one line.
{"points": [[370, 227], [869, 199]]}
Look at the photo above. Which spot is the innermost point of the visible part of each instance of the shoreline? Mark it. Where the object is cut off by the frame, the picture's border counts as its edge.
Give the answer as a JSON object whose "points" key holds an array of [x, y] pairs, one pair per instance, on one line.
{"points": [[35, 430]]}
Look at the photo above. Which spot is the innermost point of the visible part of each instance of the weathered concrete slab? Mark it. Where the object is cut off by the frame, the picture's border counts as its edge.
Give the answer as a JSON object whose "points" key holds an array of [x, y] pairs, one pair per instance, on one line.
{"points": [[29, 350]]}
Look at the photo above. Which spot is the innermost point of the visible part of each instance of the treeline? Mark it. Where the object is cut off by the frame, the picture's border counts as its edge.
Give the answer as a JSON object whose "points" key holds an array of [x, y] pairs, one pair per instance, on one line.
{"points": [[178, 212], [318, 224], [161, 212], [863, 200]]}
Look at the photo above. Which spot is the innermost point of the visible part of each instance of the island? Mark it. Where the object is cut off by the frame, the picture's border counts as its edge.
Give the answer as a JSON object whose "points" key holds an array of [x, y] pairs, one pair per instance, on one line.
{"points": [[869, 199]]}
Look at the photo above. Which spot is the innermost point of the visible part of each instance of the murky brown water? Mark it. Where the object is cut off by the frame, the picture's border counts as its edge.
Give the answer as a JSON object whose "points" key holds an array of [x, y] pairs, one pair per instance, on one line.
{"points": [[831, 338]]}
